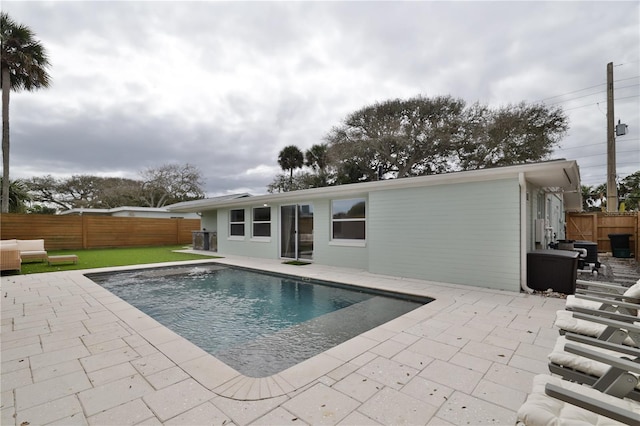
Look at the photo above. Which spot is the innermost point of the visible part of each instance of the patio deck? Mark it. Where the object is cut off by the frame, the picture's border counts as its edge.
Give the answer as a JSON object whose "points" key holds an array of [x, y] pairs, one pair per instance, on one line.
{"points": [[74, 354]]}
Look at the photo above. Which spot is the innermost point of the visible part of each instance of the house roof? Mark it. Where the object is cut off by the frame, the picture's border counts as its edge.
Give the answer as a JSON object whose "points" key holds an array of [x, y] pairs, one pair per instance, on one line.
{"points": [[114, 210], [558, 176], [194, 205]]}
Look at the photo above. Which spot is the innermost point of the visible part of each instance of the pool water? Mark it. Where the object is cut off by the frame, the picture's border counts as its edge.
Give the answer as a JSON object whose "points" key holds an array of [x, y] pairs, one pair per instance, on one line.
{"points": [[257, 323]]}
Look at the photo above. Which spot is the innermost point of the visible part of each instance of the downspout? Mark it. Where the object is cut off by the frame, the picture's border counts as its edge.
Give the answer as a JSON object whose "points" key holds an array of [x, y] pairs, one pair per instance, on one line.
{"points": [[523, 234]]}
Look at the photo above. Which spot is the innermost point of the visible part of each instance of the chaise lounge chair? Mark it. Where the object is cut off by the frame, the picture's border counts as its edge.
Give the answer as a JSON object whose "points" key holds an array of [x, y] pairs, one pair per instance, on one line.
{"points": [[619, 307], [605, 296], [615, 332], [600, 375], [554, 401]]}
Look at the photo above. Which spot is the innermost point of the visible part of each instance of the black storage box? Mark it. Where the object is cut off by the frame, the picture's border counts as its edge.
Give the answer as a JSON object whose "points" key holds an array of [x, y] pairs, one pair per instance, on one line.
{"points": [[620, 245], [591, 248], [553, 269]]}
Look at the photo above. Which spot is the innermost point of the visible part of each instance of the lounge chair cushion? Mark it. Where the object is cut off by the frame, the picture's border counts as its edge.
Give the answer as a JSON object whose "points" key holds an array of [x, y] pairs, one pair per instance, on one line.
{"points": [[633, 291], [31, 245], [580, 363], [566, 321], [8, 243], [541, 409], [574, 302]]}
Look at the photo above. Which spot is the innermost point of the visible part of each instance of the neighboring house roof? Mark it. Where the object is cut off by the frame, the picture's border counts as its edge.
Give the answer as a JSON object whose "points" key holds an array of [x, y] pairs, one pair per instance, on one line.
{"points": [[558, 176], [112, 211], [164, 209], [193, 206]]}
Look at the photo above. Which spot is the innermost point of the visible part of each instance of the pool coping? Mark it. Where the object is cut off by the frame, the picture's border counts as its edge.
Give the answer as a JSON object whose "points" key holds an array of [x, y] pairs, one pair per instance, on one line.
{"points": [[223, 380]]}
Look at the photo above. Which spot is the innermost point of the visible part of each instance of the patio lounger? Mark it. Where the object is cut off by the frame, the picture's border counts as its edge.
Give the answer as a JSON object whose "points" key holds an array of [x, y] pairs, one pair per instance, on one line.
{"points": [[606, 297], [605, 369], [32, 250], [554, 401], [601, 286], [614, 327]]}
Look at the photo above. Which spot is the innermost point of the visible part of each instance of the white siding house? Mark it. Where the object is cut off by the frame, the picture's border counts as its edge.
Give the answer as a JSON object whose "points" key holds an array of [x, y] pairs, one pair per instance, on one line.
{"points": [[472, 228]]}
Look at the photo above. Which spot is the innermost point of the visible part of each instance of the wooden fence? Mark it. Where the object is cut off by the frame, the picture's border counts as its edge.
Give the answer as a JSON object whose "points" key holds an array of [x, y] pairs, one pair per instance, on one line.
{"points": [[84, 232], [597, 226]]}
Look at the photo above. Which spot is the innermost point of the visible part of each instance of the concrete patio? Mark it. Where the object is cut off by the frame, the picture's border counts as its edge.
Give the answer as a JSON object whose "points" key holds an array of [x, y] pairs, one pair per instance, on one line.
{"points": [[75, 354]]}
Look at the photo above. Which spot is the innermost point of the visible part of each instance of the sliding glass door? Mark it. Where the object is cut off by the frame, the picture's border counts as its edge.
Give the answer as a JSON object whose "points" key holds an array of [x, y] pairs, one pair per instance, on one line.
{"points": [[296, 231]]}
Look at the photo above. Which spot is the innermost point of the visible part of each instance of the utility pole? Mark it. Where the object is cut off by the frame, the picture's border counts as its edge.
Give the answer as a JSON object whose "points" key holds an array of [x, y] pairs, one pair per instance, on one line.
{"points": [[612, 189]]}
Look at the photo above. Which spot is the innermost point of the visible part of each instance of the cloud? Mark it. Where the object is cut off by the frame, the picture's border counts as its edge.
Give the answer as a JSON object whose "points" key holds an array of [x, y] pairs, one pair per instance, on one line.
{"points": [[226, 85]]}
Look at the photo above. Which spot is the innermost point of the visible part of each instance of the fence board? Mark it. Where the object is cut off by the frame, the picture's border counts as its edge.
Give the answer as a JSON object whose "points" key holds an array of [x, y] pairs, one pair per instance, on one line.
{"points": [[597, 226], [77, 232]]}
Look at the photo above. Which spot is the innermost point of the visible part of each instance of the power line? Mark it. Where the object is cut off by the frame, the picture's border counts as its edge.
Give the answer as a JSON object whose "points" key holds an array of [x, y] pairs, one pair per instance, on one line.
{"points": [[587, 88], [598, 143], [570, 93], [604, 100], [579, 97], [629, 78], [625, 87]]}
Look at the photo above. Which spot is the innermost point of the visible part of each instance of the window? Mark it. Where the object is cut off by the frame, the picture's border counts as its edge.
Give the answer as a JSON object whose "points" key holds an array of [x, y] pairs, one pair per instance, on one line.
{"points": [[348, 219], [236, 223], [262, 222]]}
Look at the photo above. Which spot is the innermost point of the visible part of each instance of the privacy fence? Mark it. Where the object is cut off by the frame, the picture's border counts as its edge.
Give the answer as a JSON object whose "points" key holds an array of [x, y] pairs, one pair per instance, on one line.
{"points": [[597, 226], [84, 232]]}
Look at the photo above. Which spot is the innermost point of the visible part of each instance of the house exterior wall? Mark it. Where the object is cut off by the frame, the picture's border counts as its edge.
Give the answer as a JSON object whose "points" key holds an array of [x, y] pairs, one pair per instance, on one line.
{"points": [[333, 253], [247, 246], [472, 228], [549, 208], [325, 252], [555, 212], [422, 239], [209, 220]]}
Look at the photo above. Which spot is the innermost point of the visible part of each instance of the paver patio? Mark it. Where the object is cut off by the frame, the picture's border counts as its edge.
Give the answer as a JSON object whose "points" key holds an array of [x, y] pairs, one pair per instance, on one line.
{"points": [[75, 354]]}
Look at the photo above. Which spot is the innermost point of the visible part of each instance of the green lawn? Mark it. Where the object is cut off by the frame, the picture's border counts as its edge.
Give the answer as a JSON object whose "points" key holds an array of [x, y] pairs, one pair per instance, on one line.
{"points": [[100, 258]]}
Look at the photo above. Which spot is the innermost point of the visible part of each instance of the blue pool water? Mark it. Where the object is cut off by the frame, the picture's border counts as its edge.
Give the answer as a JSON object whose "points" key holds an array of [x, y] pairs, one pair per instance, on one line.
{"points": [[257, 323]]}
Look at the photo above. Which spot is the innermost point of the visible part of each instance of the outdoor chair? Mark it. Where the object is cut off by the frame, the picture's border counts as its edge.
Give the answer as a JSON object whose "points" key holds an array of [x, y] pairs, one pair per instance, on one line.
{"points": [[555, 400], [601, 375], [604, 296], [613, 327]]}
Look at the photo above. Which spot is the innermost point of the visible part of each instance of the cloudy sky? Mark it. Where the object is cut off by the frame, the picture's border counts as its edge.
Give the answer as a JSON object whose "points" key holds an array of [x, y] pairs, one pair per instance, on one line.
{"points": [[226, 85]]}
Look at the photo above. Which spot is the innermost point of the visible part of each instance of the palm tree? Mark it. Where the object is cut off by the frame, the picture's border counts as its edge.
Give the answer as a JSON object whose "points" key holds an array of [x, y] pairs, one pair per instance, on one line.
{"points": [[24, 66], [317, 157], [291, 158], [18, 196]]}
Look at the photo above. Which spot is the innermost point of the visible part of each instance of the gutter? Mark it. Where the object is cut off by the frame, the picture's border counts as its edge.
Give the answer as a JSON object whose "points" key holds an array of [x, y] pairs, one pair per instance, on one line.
{"points": [[523, 234]]}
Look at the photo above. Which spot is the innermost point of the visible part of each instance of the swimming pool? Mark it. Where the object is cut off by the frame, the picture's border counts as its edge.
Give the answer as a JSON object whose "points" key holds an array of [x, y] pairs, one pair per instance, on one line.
{"points": [[258, 323]]}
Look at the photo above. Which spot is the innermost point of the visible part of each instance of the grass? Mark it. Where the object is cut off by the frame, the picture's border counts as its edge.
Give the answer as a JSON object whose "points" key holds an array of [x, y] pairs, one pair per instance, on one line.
{"points": [[100, 258]]}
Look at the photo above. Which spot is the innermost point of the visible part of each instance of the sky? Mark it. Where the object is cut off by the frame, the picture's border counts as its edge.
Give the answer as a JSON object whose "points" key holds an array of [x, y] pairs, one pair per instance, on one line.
{"points": [[225, 86]]}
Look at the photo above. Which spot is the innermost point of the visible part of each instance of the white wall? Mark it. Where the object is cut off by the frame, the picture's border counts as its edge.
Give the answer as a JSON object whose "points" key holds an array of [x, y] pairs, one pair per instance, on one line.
{"points": [[466, 233], [209, 220], [332, 253], [246, 246], [458, 233]]}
